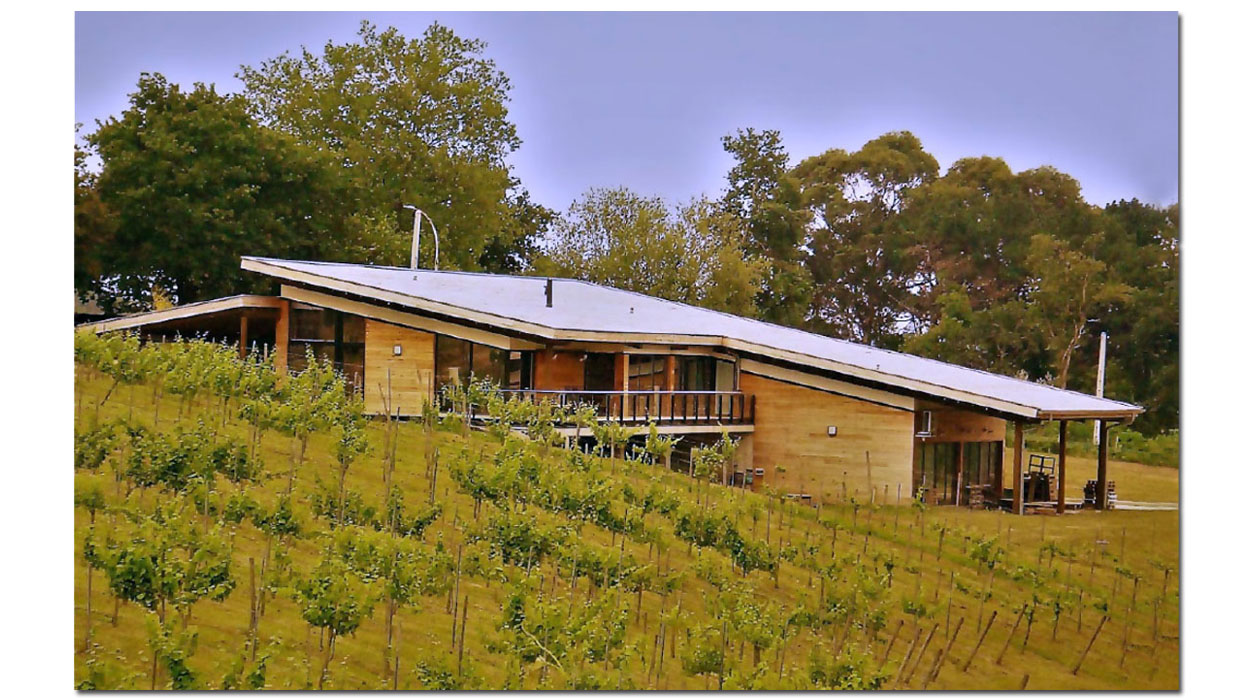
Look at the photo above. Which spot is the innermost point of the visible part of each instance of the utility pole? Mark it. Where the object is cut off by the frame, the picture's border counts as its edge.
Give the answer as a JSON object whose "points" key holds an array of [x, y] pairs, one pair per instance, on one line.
{"points": [[1104, 345]]}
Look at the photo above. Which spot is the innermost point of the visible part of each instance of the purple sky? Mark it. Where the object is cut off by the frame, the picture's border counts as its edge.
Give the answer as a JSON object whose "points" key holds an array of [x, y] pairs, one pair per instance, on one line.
{"points": [[642, 99]]}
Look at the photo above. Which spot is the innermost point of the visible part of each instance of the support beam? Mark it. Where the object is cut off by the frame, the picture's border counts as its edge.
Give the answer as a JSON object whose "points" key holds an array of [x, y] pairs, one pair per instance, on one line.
{"points": [[1060, 469], [960, 471], [243, 337], [282, 331], [1019, 443], [621, 372], [1102, 467], [671, 373]]}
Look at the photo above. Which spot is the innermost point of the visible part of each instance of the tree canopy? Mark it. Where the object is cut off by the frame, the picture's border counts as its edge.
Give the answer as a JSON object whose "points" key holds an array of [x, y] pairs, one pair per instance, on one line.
{"points": [[190, 183], [411, 121], [693, 254]]}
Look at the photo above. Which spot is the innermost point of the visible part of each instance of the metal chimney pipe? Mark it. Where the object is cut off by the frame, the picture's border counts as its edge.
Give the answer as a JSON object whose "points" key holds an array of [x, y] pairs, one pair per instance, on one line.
{"points": [[548, 292]]}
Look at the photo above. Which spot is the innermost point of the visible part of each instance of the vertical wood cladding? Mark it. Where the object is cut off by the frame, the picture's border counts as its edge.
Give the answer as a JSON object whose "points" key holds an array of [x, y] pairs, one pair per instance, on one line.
{"points": [[412, 372], [954, 425], [558, 370], [791, 433]]}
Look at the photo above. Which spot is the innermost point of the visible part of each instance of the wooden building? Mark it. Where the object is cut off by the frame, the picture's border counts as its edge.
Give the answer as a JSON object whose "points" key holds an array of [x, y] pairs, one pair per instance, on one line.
{"points": [[817, 417]]}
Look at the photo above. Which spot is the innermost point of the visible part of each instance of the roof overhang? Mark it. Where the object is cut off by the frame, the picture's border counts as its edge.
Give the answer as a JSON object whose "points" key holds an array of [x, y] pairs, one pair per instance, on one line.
{"points": [[186, 311], [1118, 411]]}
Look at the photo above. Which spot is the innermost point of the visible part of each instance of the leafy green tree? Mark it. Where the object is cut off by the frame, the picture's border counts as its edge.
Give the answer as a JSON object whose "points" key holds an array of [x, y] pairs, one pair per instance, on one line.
{"points": [[410, 121], [694, 254], [1071, 288], [192, 182], [1141, 249], [864, 260], [765, 197]]}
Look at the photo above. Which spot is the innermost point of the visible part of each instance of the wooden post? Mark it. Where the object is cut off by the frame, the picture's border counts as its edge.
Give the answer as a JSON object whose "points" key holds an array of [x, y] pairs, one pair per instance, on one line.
{"points": [[960, 471], [621, 372], [243, 337], [1090, 644], [1060, 470], [1102, 467], [978, 644], [1019, 442], [282, 330]]}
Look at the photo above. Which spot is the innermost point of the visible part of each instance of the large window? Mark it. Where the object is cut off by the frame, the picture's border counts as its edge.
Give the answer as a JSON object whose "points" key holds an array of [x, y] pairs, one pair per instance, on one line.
{"points": [[331, 335], [647, 372], [934, 470], [598, 372], [457, 360], [705, 374]]}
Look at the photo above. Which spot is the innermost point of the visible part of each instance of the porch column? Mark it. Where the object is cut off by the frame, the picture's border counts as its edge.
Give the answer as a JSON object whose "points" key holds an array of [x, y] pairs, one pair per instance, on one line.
{"points": [[960, 471], [1102, 466], [671, 374], [1019, 441], [621, 371], [1060, 470], [243, 337], [281, 333]]}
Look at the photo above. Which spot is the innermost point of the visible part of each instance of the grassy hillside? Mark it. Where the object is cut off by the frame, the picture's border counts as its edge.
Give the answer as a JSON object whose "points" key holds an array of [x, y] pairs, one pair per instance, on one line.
{"points": [[862, 595]]}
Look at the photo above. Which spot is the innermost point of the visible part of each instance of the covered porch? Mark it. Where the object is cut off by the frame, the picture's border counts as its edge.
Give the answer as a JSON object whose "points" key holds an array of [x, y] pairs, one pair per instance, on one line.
{"points": [[985, 463]]}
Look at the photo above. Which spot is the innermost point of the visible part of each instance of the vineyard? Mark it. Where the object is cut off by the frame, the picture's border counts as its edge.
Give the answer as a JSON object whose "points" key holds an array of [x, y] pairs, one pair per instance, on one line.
{"points": [[237, 528]]}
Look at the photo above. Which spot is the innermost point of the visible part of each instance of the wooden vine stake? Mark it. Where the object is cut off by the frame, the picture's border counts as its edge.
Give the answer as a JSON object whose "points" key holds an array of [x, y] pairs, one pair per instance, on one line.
{"points": [[978, 644], [1009, 639], [942, 655], [920, 654], [1090, 644], [460, 653]]}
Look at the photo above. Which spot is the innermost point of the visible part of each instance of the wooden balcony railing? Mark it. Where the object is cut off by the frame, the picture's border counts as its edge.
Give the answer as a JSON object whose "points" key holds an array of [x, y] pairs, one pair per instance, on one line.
{"points": [[663, 407]]}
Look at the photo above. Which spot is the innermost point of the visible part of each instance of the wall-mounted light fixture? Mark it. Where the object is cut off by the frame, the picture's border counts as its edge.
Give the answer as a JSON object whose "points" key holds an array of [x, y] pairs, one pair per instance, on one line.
{"points": [[397, 350], [832, 430]]}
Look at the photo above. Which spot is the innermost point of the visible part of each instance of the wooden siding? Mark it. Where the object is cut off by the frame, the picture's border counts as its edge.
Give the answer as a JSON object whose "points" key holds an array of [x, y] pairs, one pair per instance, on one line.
{"points": [[791, 432], [558, 370], [954, 425], [412, 372]]}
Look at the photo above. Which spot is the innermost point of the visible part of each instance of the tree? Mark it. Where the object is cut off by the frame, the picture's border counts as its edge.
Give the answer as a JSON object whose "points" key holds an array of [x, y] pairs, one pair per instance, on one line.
{"points": [[972, 228], [1141, 248], [864, 262], [765, 197], [411, 121], [694, 254], [1071, 288], [191, 182]]}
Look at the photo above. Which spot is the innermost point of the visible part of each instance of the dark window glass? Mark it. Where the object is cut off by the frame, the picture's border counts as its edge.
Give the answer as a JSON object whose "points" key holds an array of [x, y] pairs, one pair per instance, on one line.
{"points": [[313, 324], [352, 363], [696, 374], [598, 371], [353, 329], [491, 364], [452, 360], [647, 372], [521, 368]]}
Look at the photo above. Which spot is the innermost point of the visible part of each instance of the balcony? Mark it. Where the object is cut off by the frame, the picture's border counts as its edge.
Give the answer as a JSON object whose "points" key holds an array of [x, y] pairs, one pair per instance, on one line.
{"points": [[663, 407]]}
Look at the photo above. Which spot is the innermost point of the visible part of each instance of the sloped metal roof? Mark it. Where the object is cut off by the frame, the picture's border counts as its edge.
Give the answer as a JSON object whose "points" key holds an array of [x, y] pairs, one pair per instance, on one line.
{"points": [[592, 312]]}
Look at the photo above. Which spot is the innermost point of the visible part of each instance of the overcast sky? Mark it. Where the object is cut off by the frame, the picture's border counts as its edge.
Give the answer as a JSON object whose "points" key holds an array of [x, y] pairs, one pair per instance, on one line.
{"points": [[641, 100]]}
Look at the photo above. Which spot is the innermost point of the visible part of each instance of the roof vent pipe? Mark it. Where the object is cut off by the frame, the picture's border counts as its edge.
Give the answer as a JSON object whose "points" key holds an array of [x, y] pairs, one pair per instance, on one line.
{"points": [[548, 292]]}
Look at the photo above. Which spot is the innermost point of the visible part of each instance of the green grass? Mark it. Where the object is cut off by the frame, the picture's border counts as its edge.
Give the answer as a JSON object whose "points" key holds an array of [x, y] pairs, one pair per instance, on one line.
{"points": [[1094, 546]]}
